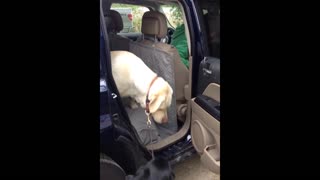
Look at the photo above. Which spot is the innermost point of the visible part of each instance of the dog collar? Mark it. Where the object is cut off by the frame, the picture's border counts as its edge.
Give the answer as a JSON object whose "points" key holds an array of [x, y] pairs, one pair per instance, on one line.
{"points": [[147, 98]]}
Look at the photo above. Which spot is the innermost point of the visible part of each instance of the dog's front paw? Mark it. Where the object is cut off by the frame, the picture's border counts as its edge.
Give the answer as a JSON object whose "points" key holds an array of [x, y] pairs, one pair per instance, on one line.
{"points": [[134, 105]]}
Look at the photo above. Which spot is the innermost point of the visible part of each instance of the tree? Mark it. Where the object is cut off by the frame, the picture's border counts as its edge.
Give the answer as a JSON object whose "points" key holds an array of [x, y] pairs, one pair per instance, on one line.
{"points": [[176, 15]]}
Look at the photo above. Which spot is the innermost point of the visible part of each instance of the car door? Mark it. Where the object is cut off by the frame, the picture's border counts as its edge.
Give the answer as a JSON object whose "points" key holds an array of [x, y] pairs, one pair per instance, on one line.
{"points": [[205, 102], [205, 109], [118, 138]]}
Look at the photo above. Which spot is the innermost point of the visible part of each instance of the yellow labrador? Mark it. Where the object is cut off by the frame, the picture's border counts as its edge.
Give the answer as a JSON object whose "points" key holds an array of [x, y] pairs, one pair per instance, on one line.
{"points": [[135, 79]]}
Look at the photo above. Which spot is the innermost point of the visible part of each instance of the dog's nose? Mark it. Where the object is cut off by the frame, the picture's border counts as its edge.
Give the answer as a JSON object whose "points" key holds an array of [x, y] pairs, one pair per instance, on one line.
{"points": [[165, 119]]}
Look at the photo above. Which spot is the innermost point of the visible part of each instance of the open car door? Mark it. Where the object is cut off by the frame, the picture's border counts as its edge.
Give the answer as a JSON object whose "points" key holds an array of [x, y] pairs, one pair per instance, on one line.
{"points": [[205, 122]]}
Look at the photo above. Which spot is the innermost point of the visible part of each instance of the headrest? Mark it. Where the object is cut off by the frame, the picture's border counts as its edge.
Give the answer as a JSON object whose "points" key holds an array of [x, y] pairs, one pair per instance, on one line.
{"points": [[116, 24], [108, 21], [154, 23]]}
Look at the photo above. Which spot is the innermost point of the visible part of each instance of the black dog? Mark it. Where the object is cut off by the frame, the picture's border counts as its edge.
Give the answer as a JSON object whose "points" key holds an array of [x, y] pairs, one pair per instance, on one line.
{"points": [[156, 169]]}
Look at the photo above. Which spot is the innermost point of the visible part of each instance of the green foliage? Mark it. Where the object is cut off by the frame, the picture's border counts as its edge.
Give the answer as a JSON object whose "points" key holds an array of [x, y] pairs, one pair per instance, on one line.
{"points": [[176, 15]]}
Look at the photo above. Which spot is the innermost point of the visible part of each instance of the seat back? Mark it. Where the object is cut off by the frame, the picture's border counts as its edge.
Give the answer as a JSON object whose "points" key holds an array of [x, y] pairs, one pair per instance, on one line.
{"points": [[154, 28], [115, 25], [160, 62]]}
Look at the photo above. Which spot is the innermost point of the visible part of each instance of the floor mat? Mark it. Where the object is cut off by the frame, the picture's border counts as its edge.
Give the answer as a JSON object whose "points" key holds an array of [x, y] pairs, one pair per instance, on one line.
{"points": [[138, 119]]}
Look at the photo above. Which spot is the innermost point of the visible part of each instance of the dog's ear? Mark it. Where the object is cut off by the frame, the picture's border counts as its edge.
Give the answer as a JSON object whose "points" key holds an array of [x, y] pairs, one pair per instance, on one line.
{"points": [[169, 95], [155, 102]]}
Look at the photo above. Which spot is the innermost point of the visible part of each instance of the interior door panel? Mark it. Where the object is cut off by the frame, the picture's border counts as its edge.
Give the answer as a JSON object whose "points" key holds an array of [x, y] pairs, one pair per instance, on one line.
{"points": [[205, 112]]}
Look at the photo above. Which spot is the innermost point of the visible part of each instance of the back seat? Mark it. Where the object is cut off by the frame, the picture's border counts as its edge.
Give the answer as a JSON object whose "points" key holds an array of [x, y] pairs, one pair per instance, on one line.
{"points": [[163, 59], [114, 26], [160, 58], [154, 27]]}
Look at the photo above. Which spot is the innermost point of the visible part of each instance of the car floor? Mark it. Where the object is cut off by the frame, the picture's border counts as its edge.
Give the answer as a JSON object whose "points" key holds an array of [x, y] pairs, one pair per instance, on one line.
{"points": [[192, 169]]}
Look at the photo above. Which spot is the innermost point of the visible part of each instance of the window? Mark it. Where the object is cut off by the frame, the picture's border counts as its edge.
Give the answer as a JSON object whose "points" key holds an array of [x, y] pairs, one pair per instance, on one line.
{"points": [[211, 15], [131, 16], [177, 36], [173, 14]]}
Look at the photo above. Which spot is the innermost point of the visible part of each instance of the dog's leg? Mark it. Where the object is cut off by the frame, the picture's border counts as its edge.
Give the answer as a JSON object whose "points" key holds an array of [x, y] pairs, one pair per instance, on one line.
{"points": [[133, 104], [141, 100]]}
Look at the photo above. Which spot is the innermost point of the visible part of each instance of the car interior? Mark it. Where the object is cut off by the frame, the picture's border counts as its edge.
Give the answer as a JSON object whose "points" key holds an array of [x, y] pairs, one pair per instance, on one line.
{"points": [[153, 47]]}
